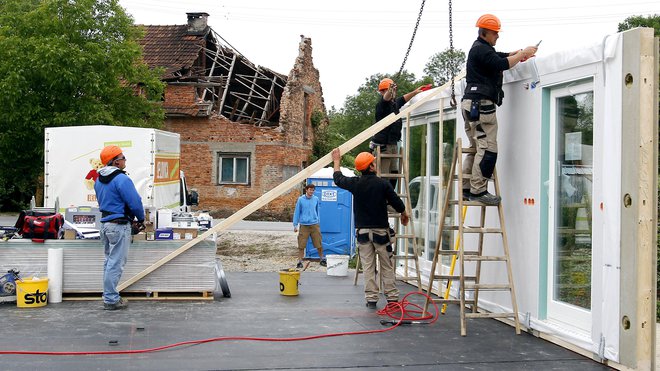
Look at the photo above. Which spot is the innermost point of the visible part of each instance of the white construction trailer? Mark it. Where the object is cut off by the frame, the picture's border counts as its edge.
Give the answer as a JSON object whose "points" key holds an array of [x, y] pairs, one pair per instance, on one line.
{"points": [[577, 166]]}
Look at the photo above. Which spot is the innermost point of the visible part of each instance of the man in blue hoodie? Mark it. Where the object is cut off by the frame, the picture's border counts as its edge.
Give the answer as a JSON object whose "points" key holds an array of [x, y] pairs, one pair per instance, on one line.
{"points": [[306, 215], [120, 205]]}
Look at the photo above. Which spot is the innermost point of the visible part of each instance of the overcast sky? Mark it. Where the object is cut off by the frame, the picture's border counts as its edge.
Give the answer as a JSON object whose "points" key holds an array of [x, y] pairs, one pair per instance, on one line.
{"points": [[355, 39]]}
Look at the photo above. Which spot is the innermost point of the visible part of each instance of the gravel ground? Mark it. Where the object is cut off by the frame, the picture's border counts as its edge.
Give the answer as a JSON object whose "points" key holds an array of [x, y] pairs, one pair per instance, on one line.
{"points": [[260, 251]]}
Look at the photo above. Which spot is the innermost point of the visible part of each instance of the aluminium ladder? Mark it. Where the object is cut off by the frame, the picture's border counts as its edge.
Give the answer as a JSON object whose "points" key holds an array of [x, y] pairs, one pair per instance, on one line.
{"points": [[472, 257], [407, 238]]}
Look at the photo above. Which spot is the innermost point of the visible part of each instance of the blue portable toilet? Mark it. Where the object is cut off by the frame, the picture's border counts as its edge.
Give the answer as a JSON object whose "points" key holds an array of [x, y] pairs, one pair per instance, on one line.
{"points": [[336, 214]]}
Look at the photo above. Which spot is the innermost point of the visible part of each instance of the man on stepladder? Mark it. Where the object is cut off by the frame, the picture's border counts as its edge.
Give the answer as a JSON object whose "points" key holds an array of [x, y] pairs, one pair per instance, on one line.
{"points": [[388, 138], [483, 94], [306, 217], [371, 195]]}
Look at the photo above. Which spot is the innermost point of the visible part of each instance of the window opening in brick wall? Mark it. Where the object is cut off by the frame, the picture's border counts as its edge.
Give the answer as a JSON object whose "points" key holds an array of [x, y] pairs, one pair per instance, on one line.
{"points": [[233, 168]]}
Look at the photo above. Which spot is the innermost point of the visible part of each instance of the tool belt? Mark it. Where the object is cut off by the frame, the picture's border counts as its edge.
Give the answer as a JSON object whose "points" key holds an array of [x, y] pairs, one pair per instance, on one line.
{"points": [[373, 145], [379, 236], [120, 220]]}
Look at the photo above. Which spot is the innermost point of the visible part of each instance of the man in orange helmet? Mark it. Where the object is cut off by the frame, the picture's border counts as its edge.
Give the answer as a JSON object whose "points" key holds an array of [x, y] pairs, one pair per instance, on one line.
{"points": [[388, 138], [371, 196], [482, 95], [120, 204]]}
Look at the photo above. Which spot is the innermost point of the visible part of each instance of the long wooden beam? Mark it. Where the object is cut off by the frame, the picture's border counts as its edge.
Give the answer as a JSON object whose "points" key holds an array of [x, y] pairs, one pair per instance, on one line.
{"points": [[288, 184]]}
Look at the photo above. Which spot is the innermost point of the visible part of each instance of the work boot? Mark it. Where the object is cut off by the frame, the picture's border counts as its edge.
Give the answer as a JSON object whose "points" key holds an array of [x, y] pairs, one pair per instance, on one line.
{"points": [[121, 304], [466, 195], [486, 199], [371, 304], [299, 265], [323, 262]]}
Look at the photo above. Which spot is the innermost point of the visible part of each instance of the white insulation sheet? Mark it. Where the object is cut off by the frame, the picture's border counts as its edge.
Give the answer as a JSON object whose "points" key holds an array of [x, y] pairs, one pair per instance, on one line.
{"points": [[520, 158]]}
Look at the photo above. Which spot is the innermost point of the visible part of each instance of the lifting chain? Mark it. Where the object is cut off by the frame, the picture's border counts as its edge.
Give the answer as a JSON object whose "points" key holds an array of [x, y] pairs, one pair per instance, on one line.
{"points": [[419, 17], [452, 101]]}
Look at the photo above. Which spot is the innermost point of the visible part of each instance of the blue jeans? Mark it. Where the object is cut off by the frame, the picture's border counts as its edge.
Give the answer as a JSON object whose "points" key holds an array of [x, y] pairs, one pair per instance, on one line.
{"points": [[116, 238]]}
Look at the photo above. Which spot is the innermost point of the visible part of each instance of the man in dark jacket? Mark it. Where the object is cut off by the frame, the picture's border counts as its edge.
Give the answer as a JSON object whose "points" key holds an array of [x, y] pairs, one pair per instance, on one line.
{"points": [[483, 94], [120, 204], [371, 195], [388, 138]]}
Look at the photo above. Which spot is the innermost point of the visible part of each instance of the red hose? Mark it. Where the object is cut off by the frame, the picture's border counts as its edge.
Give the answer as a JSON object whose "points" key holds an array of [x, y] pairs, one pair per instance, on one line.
{"points": [[390, 310]]}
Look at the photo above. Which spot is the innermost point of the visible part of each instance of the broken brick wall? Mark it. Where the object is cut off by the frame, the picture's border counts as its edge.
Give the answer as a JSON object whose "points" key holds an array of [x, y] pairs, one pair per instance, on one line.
{"points": [[275, 153]]}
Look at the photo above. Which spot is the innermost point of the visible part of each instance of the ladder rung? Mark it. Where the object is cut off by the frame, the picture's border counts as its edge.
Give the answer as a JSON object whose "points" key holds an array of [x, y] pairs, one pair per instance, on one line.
{"points": [[469, 150], [391, 175], [403, 256], [488, 286], [454, 277], [473, 229], [490, 315], [452, 301], [402, 195], [455, 252], [390, 155], [485, 258], [404, 236], [469, 203], [406, 278]]}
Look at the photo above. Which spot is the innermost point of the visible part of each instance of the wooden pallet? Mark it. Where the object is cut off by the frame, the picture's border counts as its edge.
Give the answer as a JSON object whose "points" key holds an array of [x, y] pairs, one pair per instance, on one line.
{"points": [[141, 296]]}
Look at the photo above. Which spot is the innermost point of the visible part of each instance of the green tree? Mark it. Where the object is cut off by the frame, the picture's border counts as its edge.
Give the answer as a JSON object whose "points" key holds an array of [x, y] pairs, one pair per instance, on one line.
{"points": [[358, 112], [652, 21], [65, 63], [444, 65]]}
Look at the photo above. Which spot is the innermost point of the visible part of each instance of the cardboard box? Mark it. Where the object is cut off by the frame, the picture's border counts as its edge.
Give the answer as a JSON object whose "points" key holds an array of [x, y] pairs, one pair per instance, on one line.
{"points": [[140, 237], [69, 234], [184, 233]]}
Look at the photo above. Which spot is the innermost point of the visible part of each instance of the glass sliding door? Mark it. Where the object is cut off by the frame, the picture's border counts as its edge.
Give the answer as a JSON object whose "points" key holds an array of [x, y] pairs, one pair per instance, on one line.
{"points": [[427, 186], [571, 205]]}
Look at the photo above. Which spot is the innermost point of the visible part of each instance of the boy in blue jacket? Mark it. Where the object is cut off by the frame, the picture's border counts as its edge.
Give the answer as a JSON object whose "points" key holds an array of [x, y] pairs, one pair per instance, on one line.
{"points": [[306, 215]]}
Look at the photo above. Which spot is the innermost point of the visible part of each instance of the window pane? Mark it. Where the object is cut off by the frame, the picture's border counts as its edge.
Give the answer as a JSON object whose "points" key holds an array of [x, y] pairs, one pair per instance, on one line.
{"points": [[227, 170], [241, 170], [573, 198]]}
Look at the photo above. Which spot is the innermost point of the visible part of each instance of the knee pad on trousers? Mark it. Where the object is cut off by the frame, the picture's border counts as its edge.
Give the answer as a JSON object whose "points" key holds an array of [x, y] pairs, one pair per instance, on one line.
{"points": [[487, 164]]}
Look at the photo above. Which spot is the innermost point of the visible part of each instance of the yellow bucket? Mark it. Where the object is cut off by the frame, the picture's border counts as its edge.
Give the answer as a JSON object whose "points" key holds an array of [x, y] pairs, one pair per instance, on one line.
{"points": [[32, 292], [289, 282]]}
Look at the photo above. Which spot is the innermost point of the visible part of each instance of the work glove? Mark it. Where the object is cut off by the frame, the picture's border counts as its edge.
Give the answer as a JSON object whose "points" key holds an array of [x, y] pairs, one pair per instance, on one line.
{"points": [[137, 227]]}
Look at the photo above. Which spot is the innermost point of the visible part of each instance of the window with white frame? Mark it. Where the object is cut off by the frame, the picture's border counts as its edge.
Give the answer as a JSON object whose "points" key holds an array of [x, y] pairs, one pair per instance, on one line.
{"points": [[233, 168]]}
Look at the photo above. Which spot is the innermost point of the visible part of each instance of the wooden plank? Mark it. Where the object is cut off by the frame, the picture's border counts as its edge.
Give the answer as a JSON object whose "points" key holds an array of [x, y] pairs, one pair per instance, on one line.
{"points": [[287, 184]]}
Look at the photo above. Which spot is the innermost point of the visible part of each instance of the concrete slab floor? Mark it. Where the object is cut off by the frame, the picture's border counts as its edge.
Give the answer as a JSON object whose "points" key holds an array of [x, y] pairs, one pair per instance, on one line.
{"points": [[325, 305]]}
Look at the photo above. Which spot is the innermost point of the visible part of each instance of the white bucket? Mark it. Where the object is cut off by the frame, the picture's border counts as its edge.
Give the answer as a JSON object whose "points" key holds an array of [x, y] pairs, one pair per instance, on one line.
{"points": [[337, 265]]}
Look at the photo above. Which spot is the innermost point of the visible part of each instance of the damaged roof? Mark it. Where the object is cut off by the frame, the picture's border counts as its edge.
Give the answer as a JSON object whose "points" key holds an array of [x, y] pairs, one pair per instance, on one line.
{"points": [[172, 47]]}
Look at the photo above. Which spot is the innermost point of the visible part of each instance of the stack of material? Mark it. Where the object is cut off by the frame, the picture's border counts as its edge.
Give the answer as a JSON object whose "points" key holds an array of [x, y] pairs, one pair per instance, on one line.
{"points": [[191, 271]]}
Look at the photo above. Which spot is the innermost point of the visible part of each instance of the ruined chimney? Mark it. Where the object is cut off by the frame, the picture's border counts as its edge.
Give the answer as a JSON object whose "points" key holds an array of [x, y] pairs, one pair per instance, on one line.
{"points": [[197, 23]]}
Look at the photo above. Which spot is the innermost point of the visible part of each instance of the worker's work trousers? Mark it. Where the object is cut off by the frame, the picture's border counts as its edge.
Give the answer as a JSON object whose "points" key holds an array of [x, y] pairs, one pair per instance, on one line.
{"points": [[116, 238], [390, 165], [482, 135], [372, 243], [313, 230]]}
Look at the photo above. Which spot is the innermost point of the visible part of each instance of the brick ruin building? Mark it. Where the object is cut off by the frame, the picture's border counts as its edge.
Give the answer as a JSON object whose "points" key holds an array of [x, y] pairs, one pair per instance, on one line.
{"points": [[244, 128]]}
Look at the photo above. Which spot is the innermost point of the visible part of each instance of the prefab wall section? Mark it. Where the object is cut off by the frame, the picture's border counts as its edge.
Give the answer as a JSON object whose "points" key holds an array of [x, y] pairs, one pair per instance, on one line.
{"points": [[577, 164]]}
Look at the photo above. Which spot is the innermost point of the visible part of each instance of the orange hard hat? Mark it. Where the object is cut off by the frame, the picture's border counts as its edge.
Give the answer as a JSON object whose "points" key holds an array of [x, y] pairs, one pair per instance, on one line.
{"points": [[363, 160], [489, 22], [108, 153], [385, 84]]}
